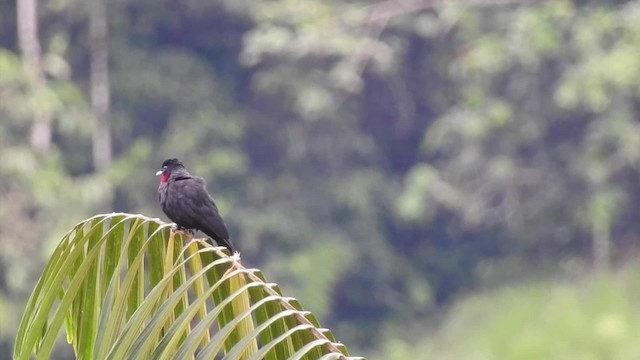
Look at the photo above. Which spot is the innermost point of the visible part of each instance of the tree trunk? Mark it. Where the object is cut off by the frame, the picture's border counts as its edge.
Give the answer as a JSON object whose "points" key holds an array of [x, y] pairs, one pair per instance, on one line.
{"points": [[27, 15], [100, 89], [601, 246]]}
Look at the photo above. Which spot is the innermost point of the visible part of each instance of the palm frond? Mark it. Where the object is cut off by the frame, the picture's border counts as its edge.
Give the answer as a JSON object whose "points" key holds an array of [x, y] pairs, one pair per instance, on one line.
{"points": [[126, 286]]}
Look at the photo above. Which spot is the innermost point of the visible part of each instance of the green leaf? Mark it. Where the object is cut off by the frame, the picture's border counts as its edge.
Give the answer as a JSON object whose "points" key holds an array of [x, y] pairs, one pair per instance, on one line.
{"points": [[126, 286]]}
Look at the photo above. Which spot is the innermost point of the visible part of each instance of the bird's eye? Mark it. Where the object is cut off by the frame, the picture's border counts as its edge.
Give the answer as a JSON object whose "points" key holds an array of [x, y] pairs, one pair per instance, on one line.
{"points": [[164, 168]]}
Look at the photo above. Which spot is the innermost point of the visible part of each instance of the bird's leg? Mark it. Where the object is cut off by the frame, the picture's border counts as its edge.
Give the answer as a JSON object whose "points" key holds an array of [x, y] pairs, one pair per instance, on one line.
{"points": [[185, 232], [191, 232]]}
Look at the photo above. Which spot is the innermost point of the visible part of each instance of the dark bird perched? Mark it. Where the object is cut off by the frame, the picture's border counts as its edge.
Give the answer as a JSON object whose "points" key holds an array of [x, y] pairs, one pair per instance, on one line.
{"points": [[185, 200]]}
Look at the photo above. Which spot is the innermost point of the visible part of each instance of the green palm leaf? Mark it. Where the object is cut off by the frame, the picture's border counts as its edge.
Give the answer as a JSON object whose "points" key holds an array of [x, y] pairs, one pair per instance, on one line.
{"points": [[127, 287]]}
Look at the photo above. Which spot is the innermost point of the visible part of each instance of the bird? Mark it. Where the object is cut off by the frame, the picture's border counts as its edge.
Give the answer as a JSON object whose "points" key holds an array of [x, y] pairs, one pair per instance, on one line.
{"points": [[185, 200]]}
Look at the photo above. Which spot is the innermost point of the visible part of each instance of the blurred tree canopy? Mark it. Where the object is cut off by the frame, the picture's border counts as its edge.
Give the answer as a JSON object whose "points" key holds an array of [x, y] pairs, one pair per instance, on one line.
{"points": [[427, 147]]}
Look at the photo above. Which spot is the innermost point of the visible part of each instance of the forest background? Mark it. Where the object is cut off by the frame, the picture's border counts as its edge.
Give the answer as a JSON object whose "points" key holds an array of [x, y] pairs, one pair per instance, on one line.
{"points": [[441, 179]]}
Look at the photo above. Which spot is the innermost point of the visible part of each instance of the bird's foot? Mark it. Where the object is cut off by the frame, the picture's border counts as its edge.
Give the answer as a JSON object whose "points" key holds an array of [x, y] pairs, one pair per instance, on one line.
{"points": [[184, 231], [187, 235]]}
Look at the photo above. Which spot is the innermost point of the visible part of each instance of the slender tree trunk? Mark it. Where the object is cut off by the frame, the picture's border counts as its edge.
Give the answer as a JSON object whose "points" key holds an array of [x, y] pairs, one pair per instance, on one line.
{"points": [[100, 89], [601, 245], [27, 15]]}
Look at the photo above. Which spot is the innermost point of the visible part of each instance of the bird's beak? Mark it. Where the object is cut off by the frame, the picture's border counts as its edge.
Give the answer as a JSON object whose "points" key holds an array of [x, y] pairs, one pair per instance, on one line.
{"points": [[159, 173]]}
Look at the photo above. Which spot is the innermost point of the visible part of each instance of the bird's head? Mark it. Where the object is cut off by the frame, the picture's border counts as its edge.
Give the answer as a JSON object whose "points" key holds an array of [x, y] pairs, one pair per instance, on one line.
{"points": [[168, 166]]}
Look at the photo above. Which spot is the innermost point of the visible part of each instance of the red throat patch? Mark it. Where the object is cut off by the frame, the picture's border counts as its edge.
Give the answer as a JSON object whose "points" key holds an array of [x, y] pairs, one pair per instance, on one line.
{"points": [[165, 177]]}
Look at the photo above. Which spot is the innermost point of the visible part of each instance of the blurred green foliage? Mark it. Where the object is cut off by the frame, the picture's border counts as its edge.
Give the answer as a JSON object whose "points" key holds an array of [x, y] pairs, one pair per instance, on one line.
{"points": [[553, 319], [410, 147]]}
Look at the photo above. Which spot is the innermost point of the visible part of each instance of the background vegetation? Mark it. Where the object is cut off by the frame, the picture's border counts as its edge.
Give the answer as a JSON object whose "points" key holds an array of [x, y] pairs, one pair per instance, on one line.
{"points": [[448, 178]]}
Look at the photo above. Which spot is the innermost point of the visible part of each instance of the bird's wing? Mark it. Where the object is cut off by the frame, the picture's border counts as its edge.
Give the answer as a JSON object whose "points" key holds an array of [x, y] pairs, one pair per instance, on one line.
{"points": [[200, 207]]}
